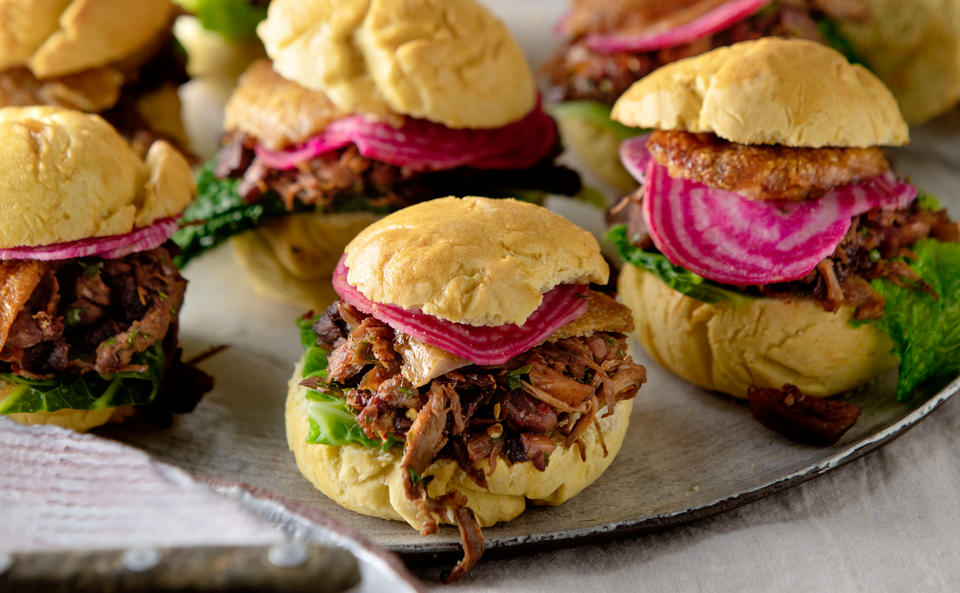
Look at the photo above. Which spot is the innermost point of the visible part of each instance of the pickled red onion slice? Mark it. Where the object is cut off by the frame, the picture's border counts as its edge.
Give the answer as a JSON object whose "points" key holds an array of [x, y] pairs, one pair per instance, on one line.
{"points": [[717, 19], [111, 247], [423, 145], [635, 156], [734, 240], [483, 345]]}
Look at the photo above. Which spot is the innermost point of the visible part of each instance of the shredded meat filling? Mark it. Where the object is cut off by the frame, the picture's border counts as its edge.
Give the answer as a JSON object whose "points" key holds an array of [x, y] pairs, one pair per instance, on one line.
{"points": [[87, 314], [326, 181], [578, 73], [520, 411]]}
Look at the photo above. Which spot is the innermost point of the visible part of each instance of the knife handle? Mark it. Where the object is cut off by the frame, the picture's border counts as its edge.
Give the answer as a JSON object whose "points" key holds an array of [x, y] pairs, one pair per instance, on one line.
{"points": [[284, 568]]}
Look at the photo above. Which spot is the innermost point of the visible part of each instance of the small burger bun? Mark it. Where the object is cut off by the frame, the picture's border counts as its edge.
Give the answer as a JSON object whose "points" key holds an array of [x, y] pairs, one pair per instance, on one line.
{"points": [[58, 37], [66, 175], [597, 147], [291, 259], [472, 260], [450, 62], [370, 481], [766, 343], [770, 91]]}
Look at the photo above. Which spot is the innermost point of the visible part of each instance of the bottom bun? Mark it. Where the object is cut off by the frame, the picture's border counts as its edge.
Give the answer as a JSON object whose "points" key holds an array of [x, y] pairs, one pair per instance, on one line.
{"points": [[291, 259], [370, 481], [766, 343], [79, 420], [598, 148]]}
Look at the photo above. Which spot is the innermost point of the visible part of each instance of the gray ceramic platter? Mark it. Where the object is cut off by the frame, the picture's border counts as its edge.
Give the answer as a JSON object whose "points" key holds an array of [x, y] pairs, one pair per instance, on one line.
{"points": [[688, 453]]}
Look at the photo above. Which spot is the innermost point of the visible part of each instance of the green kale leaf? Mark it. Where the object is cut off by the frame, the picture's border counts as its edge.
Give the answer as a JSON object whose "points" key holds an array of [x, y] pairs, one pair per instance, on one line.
{"points": [[89, 391], [925, 330], [231, 18], [218, 213], [677, 278], [331, 421]]}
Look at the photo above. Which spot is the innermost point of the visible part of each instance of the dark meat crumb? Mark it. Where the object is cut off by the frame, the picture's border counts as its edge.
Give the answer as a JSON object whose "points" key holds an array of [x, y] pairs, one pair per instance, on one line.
{"points": [[801, 417]]}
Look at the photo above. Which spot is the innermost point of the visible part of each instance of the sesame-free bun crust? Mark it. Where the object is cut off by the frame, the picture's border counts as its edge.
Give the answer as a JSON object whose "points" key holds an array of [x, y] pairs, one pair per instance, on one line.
{"points": [[597, 148], [58, 37], [370, 481], [770, 91], [65, 175], [914, 47], [449, 61], [767, 343], [291, 259], [478, 261]]}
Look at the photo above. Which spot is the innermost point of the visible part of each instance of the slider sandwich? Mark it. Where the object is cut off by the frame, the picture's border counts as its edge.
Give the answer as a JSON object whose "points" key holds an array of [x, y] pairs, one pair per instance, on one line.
{"points": [[90, 294], [365, 108], [117, 58], [610, 44], [770, 242], [466, 369]]}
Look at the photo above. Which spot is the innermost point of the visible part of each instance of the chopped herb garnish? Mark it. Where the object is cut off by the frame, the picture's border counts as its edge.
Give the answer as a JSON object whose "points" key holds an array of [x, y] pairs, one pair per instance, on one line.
{"points": [[927, 202], [406, 391], [515, 377], [92, 270], [110, 341], [133, 335], [73, 316], [874, 255], [414, 476]]}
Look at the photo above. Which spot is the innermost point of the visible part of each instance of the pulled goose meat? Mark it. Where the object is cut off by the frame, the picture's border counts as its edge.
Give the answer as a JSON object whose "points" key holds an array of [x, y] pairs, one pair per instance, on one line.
{"points": [[579, 73], [546, 397], [93, 315], [327, 180], [876, 246]]}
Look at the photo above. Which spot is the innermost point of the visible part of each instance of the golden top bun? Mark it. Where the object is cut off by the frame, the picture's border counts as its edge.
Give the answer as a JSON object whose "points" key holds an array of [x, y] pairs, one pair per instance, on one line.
{"points": [[914, 47], [291, 259], [66, 175], [276, 111], [370, 481], [770, 91], [449, 61], [479, 261], [58, 37], [767, 343]]}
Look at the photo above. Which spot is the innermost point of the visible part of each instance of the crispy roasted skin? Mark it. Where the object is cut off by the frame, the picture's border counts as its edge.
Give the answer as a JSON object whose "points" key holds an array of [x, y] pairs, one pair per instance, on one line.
{"points": [[764, 172], [279, 112]]}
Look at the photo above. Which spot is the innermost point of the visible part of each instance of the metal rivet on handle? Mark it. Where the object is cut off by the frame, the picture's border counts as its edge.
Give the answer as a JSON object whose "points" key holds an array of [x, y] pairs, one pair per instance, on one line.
{"points": [[288, 555], [6, 561], [140, 560]]}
